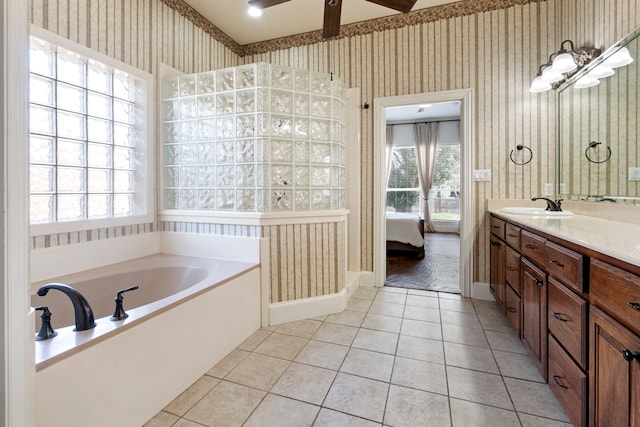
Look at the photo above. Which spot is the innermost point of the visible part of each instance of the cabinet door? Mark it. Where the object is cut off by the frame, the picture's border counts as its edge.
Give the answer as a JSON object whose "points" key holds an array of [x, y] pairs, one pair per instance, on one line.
{"points": [[534, 314], [615, 373], [497, 270], [512, 305]]}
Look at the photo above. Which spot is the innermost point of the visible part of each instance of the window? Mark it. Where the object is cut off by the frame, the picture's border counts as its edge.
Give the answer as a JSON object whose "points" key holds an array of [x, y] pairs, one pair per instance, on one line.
{"points": [[444, 197], [403, 187], [89, 149]]}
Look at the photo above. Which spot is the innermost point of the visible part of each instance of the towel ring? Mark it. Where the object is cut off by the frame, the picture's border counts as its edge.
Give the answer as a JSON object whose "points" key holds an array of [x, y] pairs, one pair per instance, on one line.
{"points": [[594, 144], [521, 147]]}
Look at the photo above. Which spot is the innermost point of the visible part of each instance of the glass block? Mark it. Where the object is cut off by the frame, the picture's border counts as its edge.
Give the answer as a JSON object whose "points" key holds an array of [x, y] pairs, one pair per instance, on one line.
{"points": [[189, 154], [263, 99], [41, 150], [99, 105], [99, 155], [301, 104], [71, 69], [207, 153], [301, 130], [123, 158], [123, 111], [263, 123], [301, 176], [41, 90], [245, 150], [188, 176], [301, 200], [70, 98], [123, 87], [320, 83], [170, 110], [281, 126], [337, 199], [206, 129], [262, 176], [281, 200], [42, 179], [98, 77], [41, 120], [123, 181], [99, 180], [246, 76], [225, 151], [189, 199], [207, 199], [187, 85], [170, 154], [301, 152], [281, 77], [206, 106], [225, 104], [281, 175], [337, 87], [70, 180], [41, 208], [124, 134], [71, 207], [262, 74], [226, 175], [246, 101], [262, 150], [321, 106], [338, 109], [225, 80], [170, 177], [320, 199], [246, 175], [188, 108], [338, 178], [171, 88], [207, 176], [71, 125], [246, 200], [339, 155], [320, 176], [225, 199], [262, 200], [189, 131], [245, 125], [206, 82], [320, 130], [171, 132], [71, 153], [41, 58], [225, 128], [99, 130], [281, 102], [170, 199], [98, 205], [320, 153], [281, 150], [301, 80]]}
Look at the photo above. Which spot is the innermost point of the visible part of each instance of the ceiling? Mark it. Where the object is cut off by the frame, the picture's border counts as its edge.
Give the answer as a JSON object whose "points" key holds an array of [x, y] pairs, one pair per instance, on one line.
{"points": [[290, 18]]}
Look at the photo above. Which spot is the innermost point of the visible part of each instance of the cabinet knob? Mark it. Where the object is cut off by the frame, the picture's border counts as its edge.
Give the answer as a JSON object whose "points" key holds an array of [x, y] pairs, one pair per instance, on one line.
{"points": [[539, 282], [530, 246], [560, 317], [511, 310], [557, 380], [629, 356], [556, 263], [510, 268], [634, 305]]}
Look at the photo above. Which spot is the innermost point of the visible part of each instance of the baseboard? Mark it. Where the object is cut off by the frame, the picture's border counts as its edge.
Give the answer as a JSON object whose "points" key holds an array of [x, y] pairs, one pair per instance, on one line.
{"points": [[367, 278], [482, 291], [290, 311]]}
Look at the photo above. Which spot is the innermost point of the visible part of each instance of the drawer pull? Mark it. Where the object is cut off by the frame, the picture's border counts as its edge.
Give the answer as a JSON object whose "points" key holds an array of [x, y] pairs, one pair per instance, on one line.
{"points": [[528, 246], [511, 309], [560, 317], [495, 226], [556, 263], [556, 378], [513, 269], [512, 235], [629, 356], [634, 305], [539, 282]]}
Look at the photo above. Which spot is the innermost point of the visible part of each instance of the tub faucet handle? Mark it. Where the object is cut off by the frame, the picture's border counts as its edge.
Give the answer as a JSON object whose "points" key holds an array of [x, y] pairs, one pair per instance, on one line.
{"points": [[119, 313], [46, 331]]}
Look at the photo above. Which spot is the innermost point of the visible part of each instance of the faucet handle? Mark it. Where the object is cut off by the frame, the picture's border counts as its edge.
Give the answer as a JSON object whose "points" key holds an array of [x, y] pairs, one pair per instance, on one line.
{"points": [[46, 331], [119, 313]]}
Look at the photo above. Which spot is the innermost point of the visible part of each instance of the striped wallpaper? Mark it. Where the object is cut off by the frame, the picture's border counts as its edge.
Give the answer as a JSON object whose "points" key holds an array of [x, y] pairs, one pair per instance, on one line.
{"points": [[495, 52]]}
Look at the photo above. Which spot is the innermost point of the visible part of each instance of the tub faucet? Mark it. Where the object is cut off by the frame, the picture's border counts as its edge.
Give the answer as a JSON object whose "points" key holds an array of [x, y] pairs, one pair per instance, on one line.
{"points": [[553, 206], [81, 307]]}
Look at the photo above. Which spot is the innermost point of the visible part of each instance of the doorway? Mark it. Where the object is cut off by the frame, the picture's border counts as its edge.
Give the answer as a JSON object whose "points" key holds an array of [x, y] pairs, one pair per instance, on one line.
{"points": [[381, 106]]}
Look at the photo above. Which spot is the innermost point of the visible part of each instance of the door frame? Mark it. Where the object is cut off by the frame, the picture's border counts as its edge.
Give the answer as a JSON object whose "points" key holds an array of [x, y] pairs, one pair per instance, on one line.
{"points": [[465, 97]]}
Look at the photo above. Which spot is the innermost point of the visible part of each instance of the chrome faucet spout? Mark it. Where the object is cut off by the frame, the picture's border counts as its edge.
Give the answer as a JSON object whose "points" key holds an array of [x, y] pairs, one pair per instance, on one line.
{"points": [[83, 312], [554, 206]]}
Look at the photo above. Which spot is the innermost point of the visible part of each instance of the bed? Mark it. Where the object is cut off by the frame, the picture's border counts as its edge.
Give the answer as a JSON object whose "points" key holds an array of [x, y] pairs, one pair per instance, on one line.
{"points": [[405, 233]]}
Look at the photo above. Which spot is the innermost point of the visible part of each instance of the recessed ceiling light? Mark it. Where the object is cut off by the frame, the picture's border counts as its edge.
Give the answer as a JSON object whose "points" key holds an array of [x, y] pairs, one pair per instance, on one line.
{"points": [[254, 11]]}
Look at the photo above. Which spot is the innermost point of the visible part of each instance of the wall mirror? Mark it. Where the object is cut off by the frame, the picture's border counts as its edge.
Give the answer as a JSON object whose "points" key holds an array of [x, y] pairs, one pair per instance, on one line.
{"points": [[599, 128]]}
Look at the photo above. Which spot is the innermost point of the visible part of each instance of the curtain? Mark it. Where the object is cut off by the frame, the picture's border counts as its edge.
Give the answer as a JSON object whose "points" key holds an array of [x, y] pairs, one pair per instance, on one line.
{"points": [[426, 144], [389, 151]]}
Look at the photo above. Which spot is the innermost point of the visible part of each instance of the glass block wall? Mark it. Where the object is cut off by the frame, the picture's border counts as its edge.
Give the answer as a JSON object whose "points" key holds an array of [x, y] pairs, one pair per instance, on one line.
{"points": [[254, 138]]}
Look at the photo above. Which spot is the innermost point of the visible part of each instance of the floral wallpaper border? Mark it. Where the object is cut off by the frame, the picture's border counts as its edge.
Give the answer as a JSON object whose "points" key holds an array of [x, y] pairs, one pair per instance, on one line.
{"points": [[436, 13]]}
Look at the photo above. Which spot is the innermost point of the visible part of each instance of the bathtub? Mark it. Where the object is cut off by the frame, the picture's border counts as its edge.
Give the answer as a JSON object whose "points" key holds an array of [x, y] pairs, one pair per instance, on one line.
{"points": [[187, 314]]}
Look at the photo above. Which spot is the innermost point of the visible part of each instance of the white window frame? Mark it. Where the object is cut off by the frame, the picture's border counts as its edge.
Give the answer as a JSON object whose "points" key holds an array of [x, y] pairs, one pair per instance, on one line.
{"points": [[148, 167]]}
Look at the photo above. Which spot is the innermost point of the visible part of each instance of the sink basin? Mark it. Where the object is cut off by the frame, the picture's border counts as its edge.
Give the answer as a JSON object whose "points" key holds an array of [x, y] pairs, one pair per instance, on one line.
{"points": [[534, 211]]}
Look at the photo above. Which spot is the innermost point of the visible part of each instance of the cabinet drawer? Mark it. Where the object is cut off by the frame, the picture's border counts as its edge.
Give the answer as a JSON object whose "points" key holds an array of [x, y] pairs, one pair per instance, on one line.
{"points": [[497, 227], [512, 236], [567, 320], [566, 265], [512, 267], [512, 309], [617, 292], [532, 247], [568, 383]]}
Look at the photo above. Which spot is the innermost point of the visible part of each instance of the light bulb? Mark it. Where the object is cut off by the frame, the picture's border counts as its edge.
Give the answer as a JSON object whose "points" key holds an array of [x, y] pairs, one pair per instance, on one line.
{"points": [[620, 58], [254, 11], [564, 63], [586, 81], [601, 71], [551, 76], [539, 85]]}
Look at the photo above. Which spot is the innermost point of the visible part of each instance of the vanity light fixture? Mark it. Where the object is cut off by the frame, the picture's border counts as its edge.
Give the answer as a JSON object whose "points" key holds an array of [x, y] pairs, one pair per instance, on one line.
{"points": [[621, 58], [586, 81]]}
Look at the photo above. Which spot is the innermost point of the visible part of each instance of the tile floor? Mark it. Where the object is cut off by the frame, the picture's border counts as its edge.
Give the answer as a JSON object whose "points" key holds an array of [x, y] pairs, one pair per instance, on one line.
{"points": [[394, 357]]}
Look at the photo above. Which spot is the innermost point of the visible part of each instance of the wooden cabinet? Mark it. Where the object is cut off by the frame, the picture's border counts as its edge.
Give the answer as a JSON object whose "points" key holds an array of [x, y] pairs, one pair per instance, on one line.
{"points": [[512, 269], [568, 383], [534, 314], [512, 235], [532, 247], [567, 320], [566, 265], [512, 309], [497, 270]]}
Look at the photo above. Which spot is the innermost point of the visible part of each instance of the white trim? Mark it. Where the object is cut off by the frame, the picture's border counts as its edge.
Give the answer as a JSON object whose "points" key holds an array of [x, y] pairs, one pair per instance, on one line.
{"points": [[254, 218], [482, 291], [465, 96], [353, 177]]}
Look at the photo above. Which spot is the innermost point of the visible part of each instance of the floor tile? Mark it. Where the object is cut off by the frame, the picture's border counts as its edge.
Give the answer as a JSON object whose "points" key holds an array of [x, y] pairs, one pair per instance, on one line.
{"points": [[422, 301], [421, 292], [226, 404], [392, 289], [420, 349], [356, 304], [505, 341], [463, 305], [254, 340], [304, 382], [479, 387], [369, 364], [358, 396], [347, 317], [229, 362], [368, 339], [183, 422], [535, 399], [491, 323], [302, 328], [487, 308], [337, 334], [387, 309], [162, 419], [463, 335], [323, 354], [468, 320], [390, 297], [330, 418], [258, 371], [281, 411], [449, 295], [422, 313], [421, 375], [517, 365], [533, 421], [382, 323], [365, 293], [418, 328], [181, 404], [409, 407], [470, 357], [281, 346], [464, 414]]}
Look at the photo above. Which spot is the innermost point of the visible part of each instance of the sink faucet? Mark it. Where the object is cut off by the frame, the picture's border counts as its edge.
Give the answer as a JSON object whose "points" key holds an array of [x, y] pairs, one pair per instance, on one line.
{"points": [[551, 205], [81, 307]]}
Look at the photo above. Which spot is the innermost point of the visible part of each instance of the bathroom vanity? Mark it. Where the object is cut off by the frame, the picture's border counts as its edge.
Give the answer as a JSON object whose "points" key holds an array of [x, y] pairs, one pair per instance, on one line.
{"points": [[570, 287]]}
